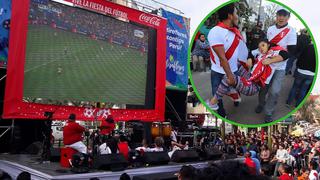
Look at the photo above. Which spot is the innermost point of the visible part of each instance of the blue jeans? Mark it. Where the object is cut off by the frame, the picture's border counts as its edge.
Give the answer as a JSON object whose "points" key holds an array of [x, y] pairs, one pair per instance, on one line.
{"points": [[275, 173], [216, 79], [290, 64], [299, 88]]}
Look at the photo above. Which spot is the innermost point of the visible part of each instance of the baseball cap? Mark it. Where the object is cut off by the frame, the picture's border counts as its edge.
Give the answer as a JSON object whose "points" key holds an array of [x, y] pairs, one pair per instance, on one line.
{"points": [[283, 12]]}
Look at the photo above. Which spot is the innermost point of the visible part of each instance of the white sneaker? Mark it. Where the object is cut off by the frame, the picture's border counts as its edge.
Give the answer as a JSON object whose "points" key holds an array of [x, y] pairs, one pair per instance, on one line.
{"points": [[212, 106]]}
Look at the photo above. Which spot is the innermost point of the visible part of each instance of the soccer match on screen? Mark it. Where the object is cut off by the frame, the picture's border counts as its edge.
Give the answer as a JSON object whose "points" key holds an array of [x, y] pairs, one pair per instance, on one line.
{"points": [[74, 54], [159, 90]]}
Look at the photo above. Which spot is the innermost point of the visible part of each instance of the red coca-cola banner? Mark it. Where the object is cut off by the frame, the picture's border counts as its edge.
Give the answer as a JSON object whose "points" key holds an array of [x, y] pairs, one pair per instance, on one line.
{"points": [[14, 107]]}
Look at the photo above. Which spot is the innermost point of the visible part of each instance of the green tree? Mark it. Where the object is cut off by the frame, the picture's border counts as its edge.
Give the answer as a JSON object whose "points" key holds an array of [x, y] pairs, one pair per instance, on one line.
{"points": [[271, 11], [308, 111]]}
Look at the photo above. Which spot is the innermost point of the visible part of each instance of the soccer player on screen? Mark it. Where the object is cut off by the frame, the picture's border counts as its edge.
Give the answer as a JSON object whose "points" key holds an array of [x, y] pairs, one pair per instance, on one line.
{"points": [[59, 69], [65, 51]]}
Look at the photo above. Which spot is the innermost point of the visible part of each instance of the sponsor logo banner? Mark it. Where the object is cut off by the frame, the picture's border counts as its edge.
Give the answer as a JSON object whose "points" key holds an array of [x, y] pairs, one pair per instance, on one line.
{"points": [[177, 50]]}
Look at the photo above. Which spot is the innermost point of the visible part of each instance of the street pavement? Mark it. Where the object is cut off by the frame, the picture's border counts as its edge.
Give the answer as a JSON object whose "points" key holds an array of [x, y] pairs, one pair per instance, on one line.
{"points": [[244, 113]]}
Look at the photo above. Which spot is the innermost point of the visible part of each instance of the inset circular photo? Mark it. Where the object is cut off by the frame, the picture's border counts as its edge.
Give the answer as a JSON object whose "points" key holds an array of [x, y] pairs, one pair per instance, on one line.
{"points": [[253, 63]]}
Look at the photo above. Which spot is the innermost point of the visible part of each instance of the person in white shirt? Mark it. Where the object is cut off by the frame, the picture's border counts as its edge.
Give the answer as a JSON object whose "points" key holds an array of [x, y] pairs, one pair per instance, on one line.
{"points": [[173, 135], [158, 142], [281, 156], [313, 175], [144, 146], [285, 36], [178, 146], [225, 42], [104, 149]]}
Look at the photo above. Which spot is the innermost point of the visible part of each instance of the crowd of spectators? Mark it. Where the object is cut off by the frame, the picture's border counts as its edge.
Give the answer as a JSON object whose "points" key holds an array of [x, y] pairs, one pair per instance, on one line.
{"points": [[297, 156], [89, 23], [250, 155]]}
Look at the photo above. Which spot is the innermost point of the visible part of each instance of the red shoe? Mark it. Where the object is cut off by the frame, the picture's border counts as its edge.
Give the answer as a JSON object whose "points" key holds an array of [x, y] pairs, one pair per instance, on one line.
{"points": [[235, 96]]}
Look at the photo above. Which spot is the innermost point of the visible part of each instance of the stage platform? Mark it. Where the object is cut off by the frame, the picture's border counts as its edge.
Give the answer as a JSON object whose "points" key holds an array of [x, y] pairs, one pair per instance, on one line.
{"points": [[15, 164]]}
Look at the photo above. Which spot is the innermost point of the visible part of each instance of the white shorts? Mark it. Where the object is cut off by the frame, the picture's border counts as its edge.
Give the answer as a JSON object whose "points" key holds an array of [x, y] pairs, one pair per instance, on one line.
{"points": [[79, 146]]}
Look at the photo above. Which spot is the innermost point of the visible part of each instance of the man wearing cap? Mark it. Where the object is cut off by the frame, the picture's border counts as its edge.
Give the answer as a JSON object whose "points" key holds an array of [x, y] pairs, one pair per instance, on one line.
{"points": [[285, 36], [72, 135]]}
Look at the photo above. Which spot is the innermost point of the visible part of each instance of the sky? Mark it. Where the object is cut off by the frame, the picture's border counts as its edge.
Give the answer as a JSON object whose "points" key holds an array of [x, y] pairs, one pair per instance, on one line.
{"points": [[308, 10]]}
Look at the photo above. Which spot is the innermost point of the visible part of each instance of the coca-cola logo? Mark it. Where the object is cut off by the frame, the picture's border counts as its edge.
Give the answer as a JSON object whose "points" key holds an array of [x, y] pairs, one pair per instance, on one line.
{"points": [[150, 19]]}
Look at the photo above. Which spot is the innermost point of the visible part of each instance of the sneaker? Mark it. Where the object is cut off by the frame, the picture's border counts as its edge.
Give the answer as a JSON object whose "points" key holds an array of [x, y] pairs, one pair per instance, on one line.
{"points": [[259, 109], [268, 118], [212, 106]]}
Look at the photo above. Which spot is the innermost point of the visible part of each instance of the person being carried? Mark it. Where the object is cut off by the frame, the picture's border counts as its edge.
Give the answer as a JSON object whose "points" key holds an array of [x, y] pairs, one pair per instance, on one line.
{"points": [[249, 83], [72, 135]]}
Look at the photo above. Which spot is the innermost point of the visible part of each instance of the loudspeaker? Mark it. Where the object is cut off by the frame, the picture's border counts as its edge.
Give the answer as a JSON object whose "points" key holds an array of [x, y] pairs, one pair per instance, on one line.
{"points": [[229, 156], [34, 148], [185, 156], [156, 158], [213, 154], [55, 154], [113, 162]]}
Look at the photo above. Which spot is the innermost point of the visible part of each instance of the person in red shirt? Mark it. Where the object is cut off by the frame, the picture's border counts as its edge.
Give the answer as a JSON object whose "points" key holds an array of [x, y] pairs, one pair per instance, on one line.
{"points": [[72, 135], [284, 170], [250, 163], [123, 146], [107, 126]]}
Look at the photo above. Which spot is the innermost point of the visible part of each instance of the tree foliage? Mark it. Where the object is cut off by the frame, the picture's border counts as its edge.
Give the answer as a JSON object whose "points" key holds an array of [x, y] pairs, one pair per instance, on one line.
{"points": [[309, 112]]}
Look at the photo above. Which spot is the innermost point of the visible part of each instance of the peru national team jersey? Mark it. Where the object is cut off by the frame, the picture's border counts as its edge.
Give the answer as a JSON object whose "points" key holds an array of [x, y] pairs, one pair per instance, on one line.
{"points": [[219, 36], [261, 57], [283, 37]]}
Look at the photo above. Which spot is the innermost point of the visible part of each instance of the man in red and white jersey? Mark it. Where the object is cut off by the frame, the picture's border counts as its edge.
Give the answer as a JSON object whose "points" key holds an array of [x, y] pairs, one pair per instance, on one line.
{"points": [[313, 175], [225, 42], [285, 36]]}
